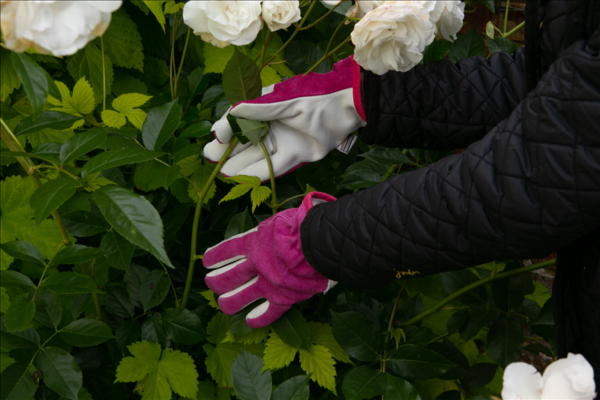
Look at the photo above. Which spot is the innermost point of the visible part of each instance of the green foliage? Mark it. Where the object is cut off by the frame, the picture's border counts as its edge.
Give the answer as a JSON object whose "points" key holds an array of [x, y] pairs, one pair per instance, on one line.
{"points": [[88, 305]]}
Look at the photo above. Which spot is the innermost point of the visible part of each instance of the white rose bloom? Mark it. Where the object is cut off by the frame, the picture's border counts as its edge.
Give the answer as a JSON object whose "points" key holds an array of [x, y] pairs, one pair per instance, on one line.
{"points": [[280, 14], [569, 378], [447, 16], [362, 7], [331, 2], [224, 22], [392, 37], [60, 28]]}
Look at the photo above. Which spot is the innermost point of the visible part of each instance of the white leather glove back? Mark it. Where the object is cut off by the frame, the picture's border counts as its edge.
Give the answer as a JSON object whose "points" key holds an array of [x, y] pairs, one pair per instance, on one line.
{"points": [[308, 116]]}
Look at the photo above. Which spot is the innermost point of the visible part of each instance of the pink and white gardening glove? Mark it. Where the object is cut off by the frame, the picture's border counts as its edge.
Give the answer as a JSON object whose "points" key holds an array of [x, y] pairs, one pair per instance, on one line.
{"points": [[266, 262], [308, 116]]}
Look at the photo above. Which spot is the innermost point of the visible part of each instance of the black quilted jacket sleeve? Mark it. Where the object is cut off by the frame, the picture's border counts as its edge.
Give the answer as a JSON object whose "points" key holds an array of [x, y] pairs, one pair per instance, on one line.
{"points": [[442, 105], [529, 187]]}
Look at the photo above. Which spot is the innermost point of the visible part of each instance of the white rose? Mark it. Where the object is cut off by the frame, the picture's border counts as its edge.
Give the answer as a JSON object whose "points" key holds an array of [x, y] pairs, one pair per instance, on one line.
{"points": [[60, 28], [447, 16], [280, 14], [332, 2], [392, 37], [224, 22], [362, 7], [569, 378]]}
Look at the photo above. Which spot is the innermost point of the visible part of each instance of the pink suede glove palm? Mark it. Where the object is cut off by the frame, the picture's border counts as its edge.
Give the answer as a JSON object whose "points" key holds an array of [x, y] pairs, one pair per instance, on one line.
{"points": [[266, 262]]}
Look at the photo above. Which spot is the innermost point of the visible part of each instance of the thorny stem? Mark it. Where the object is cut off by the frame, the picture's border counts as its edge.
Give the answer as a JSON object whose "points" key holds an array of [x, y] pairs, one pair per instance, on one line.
{"points": [[322, 18], [506, 16], [514, 30], [326, 56], [391, 324], [298, 27], [172, 62], [474, 285], [274, 196], [201, 196], [187, 41]]}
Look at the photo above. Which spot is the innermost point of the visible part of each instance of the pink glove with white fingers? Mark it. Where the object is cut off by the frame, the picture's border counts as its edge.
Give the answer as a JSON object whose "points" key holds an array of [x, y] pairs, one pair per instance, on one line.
{"points": [[266, 262], [308, 116]]}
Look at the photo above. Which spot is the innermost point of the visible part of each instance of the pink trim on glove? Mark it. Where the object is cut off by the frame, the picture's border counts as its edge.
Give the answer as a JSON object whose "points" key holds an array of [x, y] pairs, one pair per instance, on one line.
{"points": [[356, 90], [266, 262]]}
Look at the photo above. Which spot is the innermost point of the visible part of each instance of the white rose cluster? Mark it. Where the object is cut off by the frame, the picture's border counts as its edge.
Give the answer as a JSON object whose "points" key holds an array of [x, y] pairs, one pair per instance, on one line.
{"points": [[392, 35], [222, 23], [569, 378], [60, 28]]}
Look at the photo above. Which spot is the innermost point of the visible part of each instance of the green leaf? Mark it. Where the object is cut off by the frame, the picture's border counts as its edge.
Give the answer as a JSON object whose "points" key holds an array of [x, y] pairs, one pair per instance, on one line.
{"points": [[457, 320], [69, 283], [175, 218], [151, 175], [317, 360], [510, 292], [248, 381], [357, 336], [81, 144], [160, 124], [240, 190], [301, 55], [175, 371], [83, 223], [476, 320], [293, 329], [9, 80], [26, 339], [436, 51], [414, 362], [156, 7], [154, 289], [126, 106], [118, 250], [19, 315], [48, 308], [219, 361], [399, 389], [116, 158], [36, 81], [490, 4], [48, 119], [293, 389], [17, 381], [360, 179], [77, 254], [80, 303], [11, 279], [253, 130], [241, 223], [387, 156], [123, 42], [505, 341], [241, 79], [86, 333], [456, 280], [470, 44], [216, 59], [82, 102], [200, 178], [242, 333], [50, 196], [182, 326], [499, 43], [118, 302], [269, 76], [5, 362], [128, 333], [61, 372], [198, 130], [197, 82], [322, 334], [23, 251], [87, 63], [277, 353], [212, 96], [363, 383], [186, 152], [259, 195]]}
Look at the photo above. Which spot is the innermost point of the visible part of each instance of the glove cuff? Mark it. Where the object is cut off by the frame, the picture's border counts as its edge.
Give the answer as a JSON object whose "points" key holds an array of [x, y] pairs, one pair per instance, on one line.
{"points": [[356, 94]]}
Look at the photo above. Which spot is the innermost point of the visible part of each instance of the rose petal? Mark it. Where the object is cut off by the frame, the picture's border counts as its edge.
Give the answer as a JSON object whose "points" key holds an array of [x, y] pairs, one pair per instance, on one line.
{"points": [[521, 382]]}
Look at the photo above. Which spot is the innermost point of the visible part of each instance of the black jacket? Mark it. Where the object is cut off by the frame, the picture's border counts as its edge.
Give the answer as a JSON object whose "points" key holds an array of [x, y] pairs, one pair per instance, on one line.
{"points": [[527, 185]]}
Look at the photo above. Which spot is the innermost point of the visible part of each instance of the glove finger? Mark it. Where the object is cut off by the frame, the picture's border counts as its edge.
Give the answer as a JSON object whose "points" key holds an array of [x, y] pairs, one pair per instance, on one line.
{"points": [[282, 164], [270, 107], [222, 130], [214, 150], [265, 314], [231, 276], [245, 158], [233, 301], [228, 251]]}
